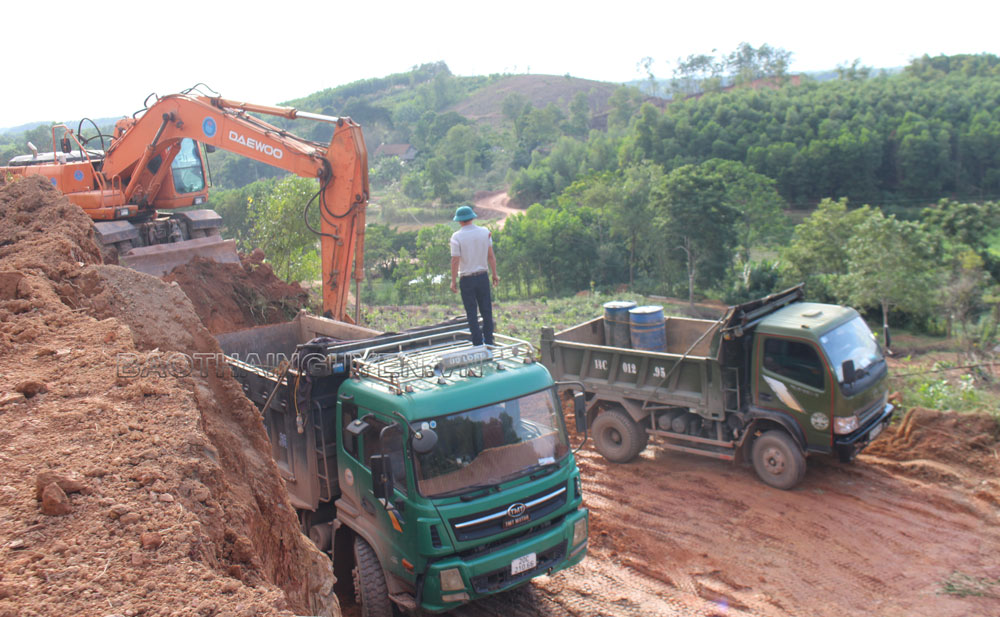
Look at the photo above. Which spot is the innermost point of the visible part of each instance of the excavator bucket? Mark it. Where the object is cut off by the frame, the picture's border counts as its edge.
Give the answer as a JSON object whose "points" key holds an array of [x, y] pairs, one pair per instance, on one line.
{"points": [[159, 259]]}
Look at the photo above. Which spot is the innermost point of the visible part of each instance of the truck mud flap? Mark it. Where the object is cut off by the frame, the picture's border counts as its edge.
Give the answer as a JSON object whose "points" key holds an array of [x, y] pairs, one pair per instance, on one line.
{"points": [[160, 259]]}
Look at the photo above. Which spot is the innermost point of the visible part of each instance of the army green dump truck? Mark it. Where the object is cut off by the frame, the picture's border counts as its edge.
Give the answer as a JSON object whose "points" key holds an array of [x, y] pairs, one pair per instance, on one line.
{"points": [[775, 380], [432, 471]]}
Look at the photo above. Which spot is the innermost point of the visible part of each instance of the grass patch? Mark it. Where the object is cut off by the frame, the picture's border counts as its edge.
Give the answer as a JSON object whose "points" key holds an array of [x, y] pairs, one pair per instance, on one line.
{"points": [[964, 585]]}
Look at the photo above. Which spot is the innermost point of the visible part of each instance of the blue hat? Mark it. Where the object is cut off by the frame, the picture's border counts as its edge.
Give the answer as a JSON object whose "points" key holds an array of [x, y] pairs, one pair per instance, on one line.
{"points": [[464, 213]]}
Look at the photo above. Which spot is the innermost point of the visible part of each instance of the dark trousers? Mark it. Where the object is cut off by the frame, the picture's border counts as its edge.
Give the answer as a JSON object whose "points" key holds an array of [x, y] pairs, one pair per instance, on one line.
{"points": [[476, 294]]}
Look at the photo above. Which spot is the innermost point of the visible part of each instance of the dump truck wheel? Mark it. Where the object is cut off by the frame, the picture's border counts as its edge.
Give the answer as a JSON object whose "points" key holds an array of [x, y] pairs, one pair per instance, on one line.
{"points": [[617, 436], [777, 460], [369, 582]]}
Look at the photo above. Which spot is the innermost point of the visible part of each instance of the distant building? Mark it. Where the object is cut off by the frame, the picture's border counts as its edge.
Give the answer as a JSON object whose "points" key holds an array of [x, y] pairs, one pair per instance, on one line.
{"points": [[405, 152]]}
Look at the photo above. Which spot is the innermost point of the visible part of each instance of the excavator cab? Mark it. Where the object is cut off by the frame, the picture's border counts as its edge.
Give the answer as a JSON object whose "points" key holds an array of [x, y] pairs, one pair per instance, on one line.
{"points": [[186, 185], [188, 169]]}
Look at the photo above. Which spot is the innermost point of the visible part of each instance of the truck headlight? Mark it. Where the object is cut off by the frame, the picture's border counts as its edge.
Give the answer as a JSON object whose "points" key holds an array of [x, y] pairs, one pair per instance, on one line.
{"points": [[451, 580], [845, 425], [579, 531]]}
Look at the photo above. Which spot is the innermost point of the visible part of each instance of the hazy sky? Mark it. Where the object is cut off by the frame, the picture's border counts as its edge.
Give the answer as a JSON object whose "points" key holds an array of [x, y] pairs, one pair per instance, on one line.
{"points": [[65, 60]]}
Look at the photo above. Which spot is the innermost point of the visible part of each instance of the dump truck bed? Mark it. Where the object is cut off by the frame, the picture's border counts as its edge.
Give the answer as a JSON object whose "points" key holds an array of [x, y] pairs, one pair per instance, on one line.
{"points": [[685, 375], [699, 369]]}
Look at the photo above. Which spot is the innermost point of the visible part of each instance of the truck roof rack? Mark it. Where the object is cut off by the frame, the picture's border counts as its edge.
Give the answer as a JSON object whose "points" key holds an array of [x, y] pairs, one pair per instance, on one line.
{"points": [[432, 361]]}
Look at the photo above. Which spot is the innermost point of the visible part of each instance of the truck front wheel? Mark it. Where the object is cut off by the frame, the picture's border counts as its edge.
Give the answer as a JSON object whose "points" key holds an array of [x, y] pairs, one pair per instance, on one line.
{"points": [[777, 460], [617, 436], [369, 582]]}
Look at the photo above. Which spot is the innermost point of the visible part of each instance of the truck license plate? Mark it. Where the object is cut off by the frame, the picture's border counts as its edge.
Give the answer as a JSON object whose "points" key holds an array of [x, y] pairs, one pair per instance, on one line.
{"points": [[523, 564], [875, 431]]}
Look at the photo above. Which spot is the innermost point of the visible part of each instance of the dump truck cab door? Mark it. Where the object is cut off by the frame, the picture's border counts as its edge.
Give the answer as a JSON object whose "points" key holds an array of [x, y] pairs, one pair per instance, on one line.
{"points": [[793, 378], [377, 480]]}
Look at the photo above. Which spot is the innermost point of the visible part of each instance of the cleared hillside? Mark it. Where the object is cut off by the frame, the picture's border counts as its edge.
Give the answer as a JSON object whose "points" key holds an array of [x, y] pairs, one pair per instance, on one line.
{"points": [[485, 105]]}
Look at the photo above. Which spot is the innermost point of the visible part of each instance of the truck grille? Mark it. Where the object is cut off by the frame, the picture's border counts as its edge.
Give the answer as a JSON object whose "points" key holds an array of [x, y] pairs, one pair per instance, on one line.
{"points": [[499, 579], [516, 514], [867, 414]]}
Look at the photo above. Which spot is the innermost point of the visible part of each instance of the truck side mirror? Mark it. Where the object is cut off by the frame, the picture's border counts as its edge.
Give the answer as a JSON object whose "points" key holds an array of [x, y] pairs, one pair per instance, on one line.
{"points": [[847, 368], [424, 440], [382, 479], [580, 412]]}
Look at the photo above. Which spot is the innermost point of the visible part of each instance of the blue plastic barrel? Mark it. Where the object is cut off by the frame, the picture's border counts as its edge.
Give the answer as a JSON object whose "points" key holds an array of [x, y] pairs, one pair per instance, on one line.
{"points": [[647, 328], [616, 330]]}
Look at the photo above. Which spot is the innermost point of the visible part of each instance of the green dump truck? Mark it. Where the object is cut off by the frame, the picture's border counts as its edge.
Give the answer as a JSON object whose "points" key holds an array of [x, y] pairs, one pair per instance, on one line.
{"points": [[774, 380], [433, 472]]}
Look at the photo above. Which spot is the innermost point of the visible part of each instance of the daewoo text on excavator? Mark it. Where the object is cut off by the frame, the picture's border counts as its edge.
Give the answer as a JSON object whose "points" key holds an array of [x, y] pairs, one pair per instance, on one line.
{"points": [[154, 162]]}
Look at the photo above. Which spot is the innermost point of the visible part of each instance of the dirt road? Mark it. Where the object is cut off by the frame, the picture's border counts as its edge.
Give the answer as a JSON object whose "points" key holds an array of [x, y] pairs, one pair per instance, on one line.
{"points": [[675, 534], [495, 206]]}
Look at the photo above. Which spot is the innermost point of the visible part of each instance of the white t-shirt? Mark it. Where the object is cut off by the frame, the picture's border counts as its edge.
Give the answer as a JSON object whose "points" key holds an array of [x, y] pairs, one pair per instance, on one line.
{"points": [[471, 244]]}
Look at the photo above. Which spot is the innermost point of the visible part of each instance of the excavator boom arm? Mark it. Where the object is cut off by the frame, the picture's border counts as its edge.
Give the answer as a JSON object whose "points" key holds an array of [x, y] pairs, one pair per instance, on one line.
{"points": [[341, 168]]}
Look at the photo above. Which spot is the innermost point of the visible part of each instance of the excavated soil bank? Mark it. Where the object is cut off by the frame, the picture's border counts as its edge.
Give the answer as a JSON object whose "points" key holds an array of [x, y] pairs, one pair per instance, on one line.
{"points": [[134, 482], [229, 297]]}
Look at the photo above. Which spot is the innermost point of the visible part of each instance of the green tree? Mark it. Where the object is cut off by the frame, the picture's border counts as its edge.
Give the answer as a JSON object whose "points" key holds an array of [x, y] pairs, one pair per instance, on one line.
{"points": [[692, 213], [281, 231], [630, 214], [746, 64], [386, 171], [461, 150], [235, 206], [966, 225], [413, 186], [962, 295], [439, 178], [697, 72], [434, 249], [971, 224], [817, 254], [759, 220], [513, 108], [624, 103], [854, 71], [579, 116], [889, 264]]}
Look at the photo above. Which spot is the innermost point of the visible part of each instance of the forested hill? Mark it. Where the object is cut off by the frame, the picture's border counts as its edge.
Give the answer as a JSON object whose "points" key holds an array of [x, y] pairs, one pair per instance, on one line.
{"points": [[910, 138], [904, 139]]}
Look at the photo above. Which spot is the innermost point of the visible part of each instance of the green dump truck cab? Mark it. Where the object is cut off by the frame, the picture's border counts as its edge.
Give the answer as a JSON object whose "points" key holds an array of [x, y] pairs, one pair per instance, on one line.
{"points": [[772, 382], [432, 471]]}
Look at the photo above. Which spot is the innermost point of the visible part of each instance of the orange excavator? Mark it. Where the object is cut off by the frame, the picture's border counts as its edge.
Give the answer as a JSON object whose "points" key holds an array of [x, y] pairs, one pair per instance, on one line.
{"points": [[154, 162]]}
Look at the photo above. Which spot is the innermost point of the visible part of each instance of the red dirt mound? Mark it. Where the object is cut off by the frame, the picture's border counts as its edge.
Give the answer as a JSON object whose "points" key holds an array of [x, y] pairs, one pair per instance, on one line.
{"points": [[946, 436], [946, 447], [231, 297], [135, 483]]}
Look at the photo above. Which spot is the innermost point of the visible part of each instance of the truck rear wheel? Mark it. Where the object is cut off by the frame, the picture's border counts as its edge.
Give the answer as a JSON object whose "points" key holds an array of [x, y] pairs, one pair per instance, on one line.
{"points": [[777, 460], [369, 582], [617, 436]]}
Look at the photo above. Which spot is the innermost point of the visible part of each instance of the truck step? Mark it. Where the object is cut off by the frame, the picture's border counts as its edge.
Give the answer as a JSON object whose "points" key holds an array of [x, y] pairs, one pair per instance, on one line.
{"points": [[699, 440], [719, 455]]}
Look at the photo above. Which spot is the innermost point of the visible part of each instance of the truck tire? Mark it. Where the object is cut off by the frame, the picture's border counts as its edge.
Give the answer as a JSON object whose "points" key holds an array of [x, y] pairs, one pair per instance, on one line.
{"points": [[369, 582], [617, 436], [778, 460]]}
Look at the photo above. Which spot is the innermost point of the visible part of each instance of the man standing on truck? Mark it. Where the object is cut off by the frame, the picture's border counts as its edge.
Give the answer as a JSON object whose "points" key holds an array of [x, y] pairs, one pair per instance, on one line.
{"points": [[472, 260]]}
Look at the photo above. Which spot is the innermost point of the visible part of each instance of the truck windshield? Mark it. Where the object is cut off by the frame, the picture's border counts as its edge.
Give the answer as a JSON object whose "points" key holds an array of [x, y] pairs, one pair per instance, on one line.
{"points": [[492, 444], [851, 341]]}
